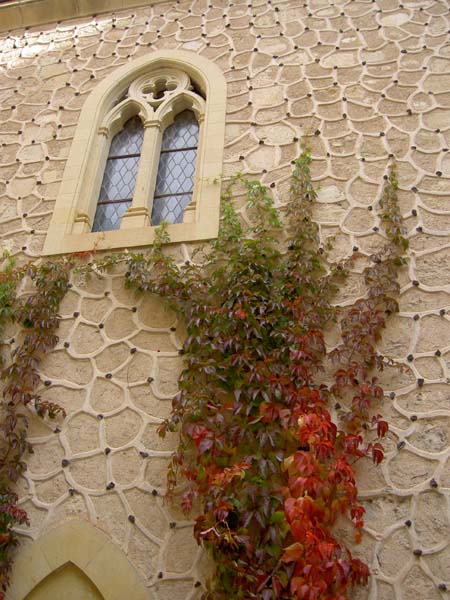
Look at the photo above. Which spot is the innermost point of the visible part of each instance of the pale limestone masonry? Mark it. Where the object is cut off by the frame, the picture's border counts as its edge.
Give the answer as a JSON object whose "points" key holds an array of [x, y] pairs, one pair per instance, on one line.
{"points": [[361, 80]]}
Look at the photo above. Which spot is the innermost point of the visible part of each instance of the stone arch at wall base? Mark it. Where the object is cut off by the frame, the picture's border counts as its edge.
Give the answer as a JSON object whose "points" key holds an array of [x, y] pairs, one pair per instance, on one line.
{"points": [[67, 583], [89, 550]]}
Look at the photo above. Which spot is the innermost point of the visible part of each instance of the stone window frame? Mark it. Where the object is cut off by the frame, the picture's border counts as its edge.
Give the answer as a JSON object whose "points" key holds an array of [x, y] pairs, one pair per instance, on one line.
{"points": [[102, 116]]}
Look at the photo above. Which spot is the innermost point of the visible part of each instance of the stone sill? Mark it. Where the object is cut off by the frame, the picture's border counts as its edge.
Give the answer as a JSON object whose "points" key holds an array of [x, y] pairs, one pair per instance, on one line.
{"points": [[16, 14]]}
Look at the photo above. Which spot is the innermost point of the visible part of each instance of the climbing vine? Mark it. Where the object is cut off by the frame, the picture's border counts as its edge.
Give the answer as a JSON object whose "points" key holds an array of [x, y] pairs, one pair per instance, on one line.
{"points": [[260, 456], [38, 314], [260, 452]]}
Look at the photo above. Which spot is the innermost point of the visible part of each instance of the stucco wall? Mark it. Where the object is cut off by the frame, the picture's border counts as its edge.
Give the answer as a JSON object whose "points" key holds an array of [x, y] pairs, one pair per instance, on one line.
{"points": [[361, 80]]}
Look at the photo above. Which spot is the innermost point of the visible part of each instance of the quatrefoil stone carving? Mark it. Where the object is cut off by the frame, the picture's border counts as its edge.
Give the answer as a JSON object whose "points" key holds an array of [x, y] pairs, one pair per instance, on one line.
{"points": [[156, 87]]}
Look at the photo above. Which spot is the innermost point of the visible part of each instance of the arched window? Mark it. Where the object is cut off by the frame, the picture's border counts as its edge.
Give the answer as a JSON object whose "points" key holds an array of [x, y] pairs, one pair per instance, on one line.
{"points": [[148, 147], [119, 179], [149, 175], [175, 178]]}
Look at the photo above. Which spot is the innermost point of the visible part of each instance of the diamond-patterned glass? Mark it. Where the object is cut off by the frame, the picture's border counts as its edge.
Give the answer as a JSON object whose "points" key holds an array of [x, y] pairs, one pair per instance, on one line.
{"points": [[108, 216], [170, 208], [119, 178], [176, 172], [129, 140], [183, 133], [175, 179]]}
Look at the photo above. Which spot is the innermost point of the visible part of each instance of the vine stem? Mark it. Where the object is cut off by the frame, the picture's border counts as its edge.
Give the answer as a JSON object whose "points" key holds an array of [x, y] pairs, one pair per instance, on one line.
{"points": [[267, 579], [270, 468]]}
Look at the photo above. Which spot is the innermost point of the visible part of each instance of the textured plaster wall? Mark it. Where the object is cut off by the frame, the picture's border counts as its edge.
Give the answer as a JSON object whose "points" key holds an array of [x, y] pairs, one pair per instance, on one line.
{"points": [[362, 80]]}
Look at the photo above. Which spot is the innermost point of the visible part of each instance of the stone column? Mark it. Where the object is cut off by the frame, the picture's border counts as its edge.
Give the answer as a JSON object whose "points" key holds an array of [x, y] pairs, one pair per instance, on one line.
{"points": [[138, 215]]}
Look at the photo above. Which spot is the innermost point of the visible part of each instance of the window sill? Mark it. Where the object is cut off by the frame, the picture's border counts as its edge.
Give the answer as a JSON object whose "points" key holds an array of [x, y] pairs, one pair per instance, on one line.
{"points": [[128, 238]]}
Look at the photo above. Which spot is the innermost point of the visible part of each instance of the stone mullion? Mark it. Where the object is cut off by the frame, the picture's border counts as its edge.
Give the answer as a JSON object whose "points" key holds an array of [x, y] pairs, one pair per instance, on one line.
{"points": [[138, 215]]}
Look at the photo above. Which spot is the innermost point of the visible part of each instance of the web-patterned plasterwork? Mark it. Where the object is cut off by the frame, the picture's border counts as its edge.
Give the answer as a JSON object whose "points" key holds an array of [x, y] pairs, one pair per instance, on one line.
{"points": [[114, 372]]}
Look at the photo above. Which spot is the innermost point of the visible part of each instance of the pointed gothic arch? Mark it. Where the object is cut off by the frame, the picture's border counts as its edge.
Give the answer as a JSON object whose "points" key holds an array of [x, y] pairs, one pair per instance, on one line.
{"points": [[90, 551], [68, 581], [134, 90]]}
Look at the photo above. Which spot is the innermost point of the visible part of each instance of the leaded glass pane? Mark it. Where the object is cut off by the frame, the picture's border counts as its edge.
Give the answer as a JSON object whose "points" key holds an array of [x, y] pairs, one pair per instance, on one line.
{"points": [[176, 172], [108, 216], [183, 133], [170, 208], [175, 179], [129, 140], [119, 179]]}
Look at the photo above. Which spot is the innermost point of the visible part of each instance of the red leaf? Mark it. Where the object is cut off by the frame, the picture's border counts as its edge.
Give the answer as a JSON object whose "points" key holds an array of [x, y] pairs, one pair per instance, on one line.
{"points": [[293, 553], [240, 314], [382, 428], [377, 453]]}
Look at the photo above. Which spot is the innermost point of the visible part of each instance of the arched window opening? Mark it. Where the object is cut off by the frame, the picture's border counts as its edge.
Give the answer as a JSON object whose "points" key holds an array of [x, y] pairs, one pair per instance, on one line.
{"points": [[175, 178], [126, 175], [119, 179]]}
